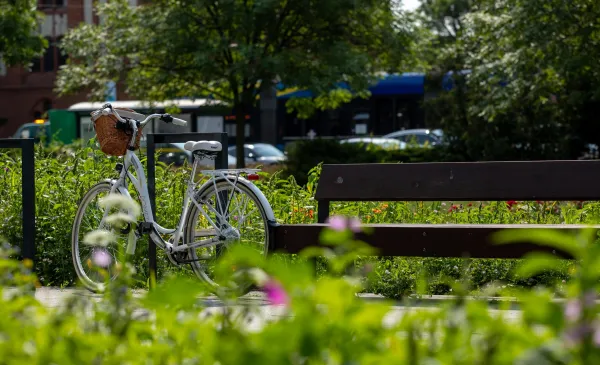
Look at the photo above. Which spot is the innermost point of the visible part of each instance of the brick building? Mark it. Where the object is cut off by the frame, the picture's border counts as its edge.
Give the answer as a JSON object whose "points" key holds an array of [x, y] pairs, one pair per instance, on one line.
{"points": [[27, 94]]}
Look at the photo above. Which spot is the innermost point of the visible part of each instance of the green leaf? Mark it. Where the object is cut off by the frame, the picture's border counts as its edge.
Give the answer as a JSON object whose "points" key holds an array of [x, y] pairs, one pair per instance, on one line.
{"points": [[565, 242], [537, 263]]}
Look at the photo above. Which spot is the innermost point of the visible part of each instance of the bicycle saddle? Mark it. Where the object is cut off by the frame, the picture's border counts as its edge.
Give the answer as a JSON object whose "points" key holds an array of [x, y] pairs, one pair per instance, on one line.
{"points": [[205, 146]]}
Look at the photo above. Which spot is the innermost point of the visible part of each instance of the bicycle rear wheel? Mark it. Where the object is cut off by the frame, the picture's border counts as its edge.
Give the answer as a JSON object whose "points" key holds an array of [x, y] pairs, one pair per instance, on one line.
{"points": [[247, 219]]}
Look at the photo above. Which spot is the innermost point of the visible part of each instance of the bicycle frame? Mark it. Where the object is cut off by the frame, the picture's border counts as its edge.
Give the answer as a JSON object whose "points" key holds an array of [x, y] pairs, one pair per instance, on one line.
{"points": [[139, 182]]}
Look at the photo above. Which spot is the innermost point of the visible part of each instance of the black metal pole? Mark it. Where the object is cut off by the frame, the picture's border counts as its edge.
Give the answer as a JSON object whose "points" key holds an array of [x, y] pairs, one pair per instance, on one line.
{"points": [[150, 166], [322, 215], [222, 160], [28, 197], [322, 211]]}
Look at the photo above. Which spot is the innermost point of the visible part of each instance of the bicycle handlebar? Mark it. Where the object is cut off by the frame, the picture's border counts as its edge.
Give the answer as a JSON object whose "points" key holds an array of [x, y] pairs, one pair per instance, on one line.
{"points": [[179, 122], [167, 118], [133, 118]]}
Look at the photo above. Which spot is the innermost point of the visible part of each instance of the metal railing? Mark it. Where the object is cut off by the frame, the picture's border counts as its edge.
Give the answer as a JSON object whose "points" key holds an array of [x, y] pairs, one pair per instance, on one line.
{"points": [[26, 145]]}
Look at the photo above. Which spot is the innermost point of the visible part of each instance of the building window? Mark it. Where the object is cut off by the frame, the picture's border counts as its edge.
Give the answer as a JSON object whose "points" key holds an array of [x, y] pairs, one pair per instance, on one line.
{"points": [[52, 59], [231, 130], [51, 4]]}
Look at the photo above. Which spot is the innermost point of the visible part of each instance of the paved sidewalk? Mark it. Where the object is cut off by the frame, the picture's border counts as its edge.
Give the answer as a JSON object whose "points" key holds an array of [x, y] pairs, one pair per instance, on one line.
{"points": [[54, 298]]}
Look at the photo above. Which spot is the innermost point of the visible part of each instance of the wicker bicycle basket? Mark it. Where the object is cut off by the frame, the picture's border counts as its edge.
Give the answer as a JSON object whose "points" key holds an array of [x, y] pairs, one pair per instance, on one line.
{"points": [[114, 141]]}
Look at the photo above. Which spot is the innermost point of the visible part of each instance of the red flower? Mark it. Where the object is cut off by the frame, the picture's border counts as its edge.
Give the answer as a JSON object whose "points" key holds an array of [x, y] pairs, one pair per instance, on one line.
{"points": [[453, 208], [510, 203]]}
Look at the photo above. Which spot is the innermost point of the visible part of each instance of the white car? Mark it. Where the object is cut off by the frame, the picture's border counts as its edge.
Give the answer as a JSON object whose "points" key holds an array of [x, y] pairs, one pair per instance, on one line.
{"points": [[387, 143], [422, 137]]}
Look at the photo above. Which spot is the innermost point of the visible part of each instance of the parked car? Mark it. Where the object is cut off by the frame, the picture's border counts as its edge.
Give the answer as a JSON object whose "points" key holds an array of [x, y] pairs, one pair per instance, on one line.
{"points": [[34, 130], [260, 153], [422, 137], [387, 143], [174, 153]]}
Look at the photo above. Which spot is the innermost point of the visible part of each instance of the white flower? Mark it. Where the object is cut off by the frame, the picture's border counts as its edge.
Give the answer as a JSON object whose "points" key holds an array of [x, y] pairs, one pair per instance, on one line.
{"points": [[99, 238], [122, 202], [119, 219]]}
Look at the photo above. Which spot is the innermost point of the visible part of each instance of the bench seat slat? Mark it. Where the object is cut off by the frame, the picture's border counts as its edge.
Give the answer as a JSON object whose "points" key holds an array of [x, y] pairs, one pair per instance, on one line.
{"points": [[427, 240]]}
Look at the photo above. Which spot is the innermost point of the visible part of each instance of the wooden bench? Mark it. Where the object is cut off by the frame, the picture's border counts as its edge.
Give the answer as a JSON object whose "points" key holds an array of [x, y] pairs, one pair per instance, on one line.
{"points": [[468, 181]]}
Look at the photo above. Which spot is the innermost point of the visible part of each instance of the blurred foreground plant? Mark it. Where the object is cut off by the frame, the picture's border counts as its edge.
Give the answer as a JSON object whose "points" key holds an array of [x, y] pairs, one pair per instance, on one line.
{"points": [[311, 321]]}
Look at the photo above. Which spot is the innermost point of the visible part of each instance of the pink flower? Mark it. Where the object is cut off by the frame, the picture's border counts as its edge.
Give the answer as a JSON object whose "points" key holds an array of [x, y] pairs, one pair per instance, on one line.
{"points": [[337, 223], [597, 337], [575, 334], [354, 224], [275, 293], [573, 310], [589, 299], [341, 223], [101, 258]]}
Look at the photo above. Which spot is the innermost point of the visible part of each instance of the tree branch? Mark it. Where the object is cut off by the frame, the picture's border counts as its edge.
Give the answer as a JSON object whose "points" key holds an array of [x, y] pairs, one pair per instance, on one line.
{"points": [[290, 34], [221, 31], [283, 15]]}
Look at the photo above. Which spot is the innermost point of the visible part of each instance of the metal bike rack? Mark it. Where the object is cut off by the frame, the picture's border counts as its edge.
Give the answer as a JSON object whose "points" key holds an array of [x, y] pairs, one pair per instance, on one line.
{"points": [[221, 162], [26, 145]]}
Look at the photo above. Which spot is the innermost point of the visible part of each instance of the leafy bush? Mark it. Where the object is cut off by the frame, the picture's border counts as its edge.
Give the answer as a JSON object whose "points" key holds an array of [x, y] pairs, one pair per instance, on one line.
{"points": [[63, 176], [318, 322], [304, 155]]}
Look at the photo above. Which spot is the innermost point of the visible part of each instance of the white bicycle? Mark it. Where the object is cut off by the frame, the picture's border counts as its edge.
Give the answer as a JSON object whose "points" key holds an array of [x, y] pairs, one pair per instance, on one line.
{"points": [[227, 209]]}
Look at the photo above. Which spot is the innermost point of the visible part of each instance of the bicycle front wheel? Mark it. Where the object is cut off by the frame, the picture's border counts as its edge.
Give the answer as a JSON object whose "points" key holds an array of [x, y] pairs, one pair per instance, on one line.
{"points": [[247, 224], [94, 265]]}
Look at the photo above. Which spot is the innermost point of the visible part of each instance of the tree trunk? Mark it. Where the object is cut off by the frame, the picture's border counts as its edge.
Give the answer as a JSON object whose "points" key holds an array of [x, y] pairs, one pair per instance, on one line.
{"points": [[240, 135]]}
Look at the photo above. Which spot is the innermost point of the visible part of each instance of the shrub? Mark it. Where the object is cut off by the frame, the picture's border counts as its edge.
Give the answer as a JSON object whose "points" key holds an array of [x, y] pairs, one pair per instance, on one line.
{"points": [[304, 155]]}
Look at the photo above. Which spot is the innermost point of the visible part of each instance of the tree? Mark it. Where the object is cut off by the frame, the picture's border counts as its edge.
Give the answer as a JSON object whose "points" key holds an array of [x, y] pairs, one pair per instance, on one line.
{"points": [[545, 53], [19, 41], [445, 58], [532, 90], [231, 49]]}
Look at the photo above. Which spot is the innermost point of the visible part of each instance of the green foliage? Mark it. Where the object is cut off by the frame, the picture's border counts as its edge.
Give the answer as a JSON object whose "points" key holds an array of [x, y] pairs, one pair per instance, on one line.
{"points": [[318, 322], [304, 155], [524, 97], [19, 22], [231, 50]]}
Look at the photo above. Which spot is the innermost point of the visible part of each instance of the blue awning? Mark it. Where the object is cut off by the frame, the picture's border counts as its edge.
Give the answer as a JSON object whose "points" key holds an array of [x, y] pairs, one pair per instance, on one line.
{"points": [[405, 84]]}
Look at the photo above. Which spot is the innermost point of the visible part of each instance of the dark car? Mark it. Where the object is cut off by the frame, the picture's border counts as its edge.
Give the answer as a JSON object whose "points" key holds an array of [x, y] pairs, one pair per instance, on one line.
{"points": [[260, 153], [34, 130]]}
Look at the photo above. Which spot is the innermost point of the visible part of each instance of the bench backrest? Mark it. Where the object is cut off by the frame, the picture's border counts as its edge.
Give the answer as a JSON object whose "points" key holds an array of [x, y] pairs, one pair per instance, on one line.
{"points": [[491, 181]]}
